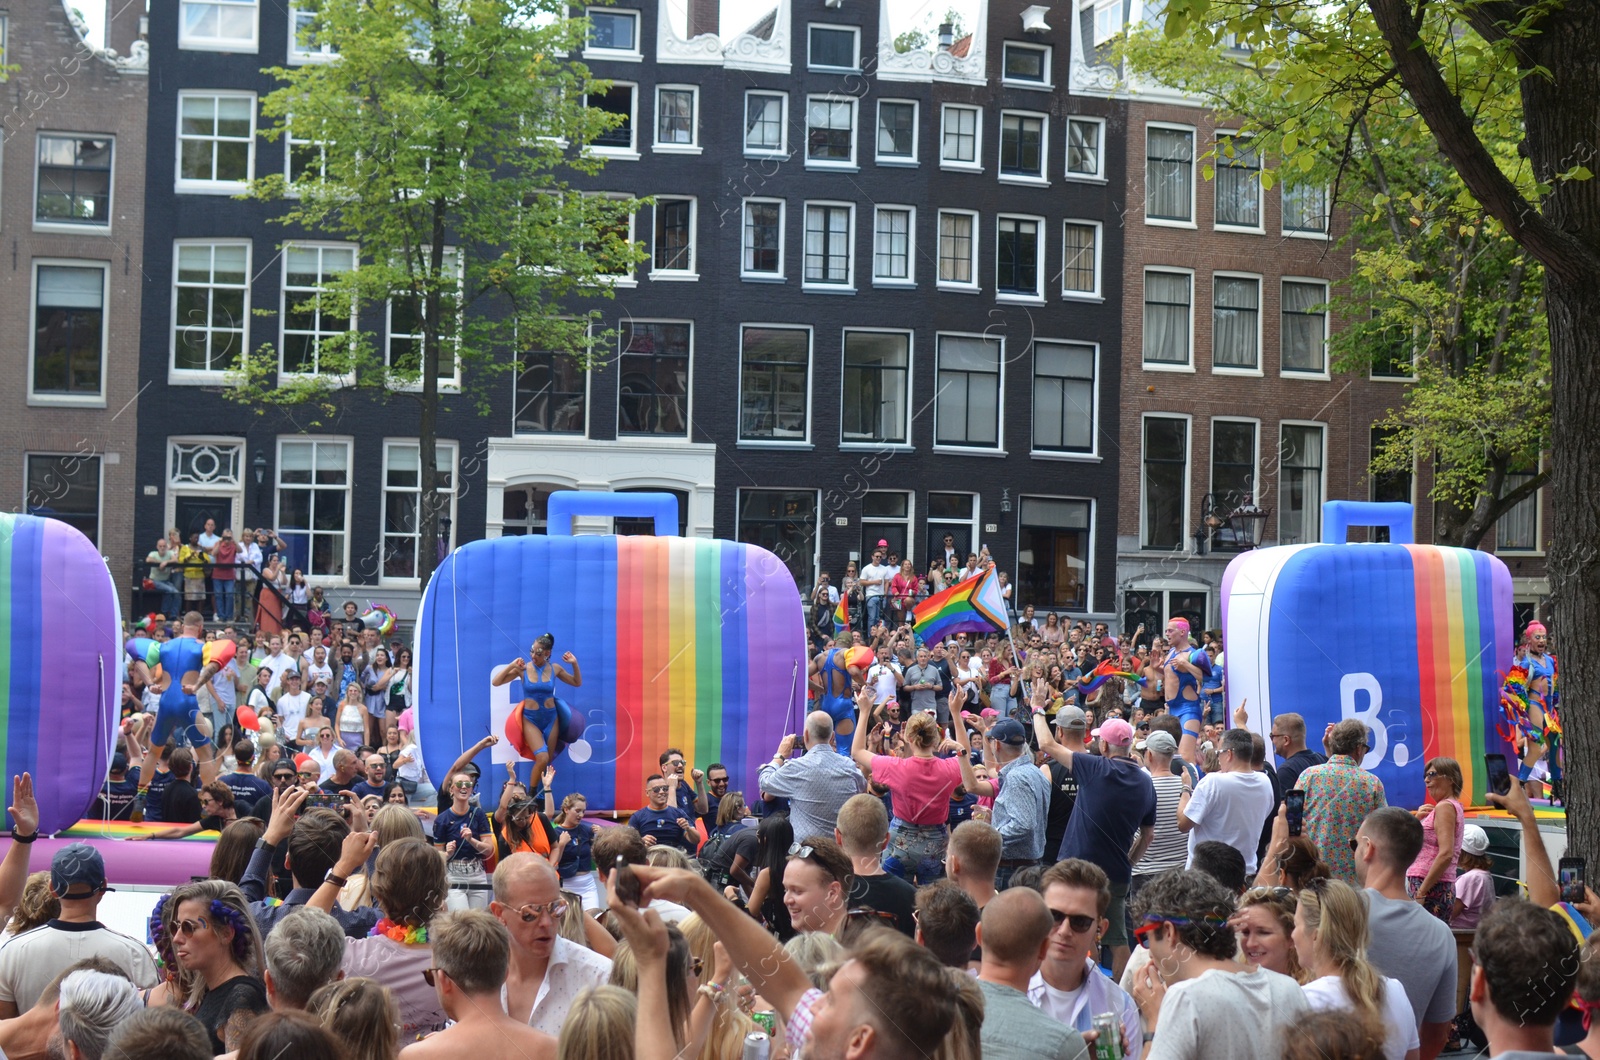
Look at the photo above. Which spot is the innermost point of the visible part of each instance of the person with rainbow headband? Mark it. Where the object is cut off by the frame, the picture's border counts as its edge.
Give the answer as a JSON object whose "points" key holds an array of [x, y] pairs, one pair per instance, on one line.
{"points": [[546, 723], [186, 662], [1183, 670]]}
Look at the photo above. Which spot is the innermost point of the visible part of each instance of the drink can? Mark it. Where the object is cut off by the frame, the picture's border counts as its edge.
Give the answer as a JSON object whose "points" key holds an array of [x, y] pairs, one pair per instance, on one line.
{"points": [[1108, 1043], [766, 1019], [757, 1046]]}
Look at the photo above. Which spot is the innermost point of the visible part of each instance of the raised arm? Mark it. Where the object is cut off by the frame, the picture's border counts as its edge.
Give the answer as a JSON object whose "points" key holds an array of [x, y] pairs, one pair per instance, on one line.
{"points": [[575, 678], [1543, 888], [858, 741], [509, 672], [24, 812], [469, 754], [1048, 743], [969, 779]]}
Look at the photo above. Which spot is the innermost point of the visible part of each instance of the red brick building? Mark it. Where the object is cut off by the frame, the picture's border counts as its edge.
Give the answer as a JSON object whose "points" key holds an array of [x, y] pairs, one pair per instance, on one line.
{"points": [[71, 209]]}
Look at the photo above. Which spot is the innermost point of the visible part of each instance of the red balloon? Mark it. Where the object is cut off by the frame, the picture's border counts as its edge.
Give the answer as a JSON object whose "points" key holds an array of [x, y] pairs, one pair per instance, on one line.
{"points": [[247, 719]]}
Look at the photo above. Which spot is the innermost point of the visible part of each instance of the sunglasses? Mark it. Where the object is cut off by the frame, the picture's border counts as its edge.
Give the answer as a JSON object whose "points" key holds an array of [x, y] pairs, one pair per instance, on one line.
{"points": [[1143, 932], [557, 909], [189, 927], [697, 966], [1281, 895], [656, 789], [871, 914], [1080, 924], [801, 850], [462, 785], [428, 974]]}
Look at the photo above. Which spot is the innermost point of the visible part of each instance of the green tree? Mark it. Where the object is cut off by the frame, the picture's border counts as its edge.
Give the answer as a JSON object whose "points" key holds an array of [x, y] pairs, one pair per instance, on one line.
{"points": [[440, 140], [1536, 65], [1436, 288]]}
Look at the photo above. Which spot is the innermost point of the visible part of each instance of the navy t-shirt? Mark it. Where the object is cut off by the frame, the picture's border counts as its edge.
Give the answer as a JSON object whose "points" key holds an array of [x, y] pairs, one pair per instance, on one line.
{"points": [[578, 855], [447, 829], [961, 809], [363, 789], [114, 800], [154, 798], [248, 789], [1115, 799], [663, 824]]}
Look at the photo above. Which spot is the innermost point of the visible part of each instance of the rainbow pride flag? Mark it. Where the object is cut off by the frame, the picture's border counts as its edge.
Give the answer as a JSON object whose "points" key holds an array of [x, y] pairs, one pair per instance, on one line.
{"points": [[841, 616], [972, 606]]}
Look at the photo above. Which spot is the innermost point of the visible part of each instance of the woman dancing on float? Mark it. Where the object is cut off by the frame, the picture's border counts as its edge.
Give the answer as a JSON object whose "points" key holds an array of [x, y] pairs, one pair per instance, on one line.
{"points": [[547, 724]]}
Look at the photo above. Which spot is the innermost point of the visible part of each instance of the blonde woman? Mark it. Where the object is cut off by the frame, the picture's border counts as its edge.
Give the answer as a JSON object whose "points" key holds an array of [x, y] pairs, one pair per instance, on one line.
{"points": [[599, 1025], [725, 1038], [215, 948], [362, 1015], [390, 824], [1330, 939], [1264, 924], [352, 719], [920, 785]]}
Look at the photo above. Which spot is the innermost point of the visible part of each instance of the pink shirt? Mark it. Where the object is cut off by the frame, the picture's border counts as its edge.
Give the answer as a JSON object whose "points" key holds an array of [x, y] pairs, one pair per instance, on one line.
{"points": [[399, 967], [920, 787], [1430, 844]]}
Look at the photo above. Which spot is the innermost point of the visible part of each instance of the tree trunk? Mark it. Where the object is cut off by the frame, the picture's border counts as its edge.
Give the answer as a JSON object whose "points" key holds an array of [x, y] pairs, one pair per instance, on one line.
{"points": [[428, 426]]}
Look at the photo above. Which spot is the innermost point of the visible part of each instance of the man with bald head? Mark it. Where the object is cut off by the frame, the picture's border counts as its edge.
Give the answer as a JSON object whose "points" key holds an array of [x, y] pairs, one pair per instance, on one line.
{"points": [[1014, 935], [817, 783], [546, 972]]}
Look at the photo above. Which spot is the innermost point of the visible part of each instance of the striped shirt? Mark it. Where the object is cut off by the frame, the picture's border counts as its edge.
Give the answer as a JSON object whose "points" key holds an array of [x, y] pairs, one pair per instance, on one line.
{"points": [[1169, 848]]}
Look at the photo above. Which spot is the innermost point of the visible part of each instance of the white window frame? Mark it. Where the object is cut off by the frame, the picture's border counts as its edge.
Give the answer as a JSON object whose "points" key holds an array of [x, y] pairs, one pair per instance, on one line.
{"points": [[811, 366], [693, 271], [284, 303], [349, 495], [1044, 85], [69, 400], [1093, 454], [1278, 463], [1040, 239], [1299, 233], [630, 277], [688, 393], [1218, 164], [222, 44], [1194, 140], [973, 525], [1042, 178], [453, 493], [452, 383], [914, 158], [910, 279], [100, 486], [324, 53], [1538, 518], [976, 283], [1162, 366], [616, 54], [1185, 540], [693, 146], [1097, 294], [189, 186], [908, 413], [1261, 300], [976, 165], [855, 132], [782, 150], [290, 142], [854, 31], [188, 376], [999, 447], [1103, 10], [74, 227], [1327, 329], [631, 152], [1099, 174], [829, 286], [744, 226], [1211, 455]]}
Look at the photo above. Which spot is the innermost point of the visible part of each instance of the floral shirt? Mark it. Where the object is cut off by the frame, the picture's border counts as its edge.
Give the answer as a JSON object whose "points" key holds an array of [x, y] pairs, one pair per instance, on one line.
{"points": [[1339, 795]]}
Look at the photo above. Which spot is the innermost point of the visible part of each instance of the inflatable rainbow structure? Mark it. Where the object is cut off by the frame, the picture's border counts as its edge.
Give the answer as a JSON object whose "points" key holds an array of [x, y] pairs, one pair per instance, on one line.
{"points": [[693, 644], [1412, 639], [60, 661]]}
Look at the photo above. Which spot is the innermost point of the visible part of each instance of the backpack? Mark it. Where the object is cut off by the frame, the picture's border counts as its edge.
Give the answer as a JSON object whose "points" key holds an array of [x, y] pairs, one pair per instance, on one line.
{"points": [[714, 875]]}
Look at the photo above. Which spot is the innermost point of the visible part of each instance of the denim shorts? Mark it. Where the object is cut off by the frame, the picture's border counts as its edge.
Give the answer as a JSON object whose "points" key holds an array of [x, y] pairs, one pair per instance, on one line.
{"points": [[916, 851]]}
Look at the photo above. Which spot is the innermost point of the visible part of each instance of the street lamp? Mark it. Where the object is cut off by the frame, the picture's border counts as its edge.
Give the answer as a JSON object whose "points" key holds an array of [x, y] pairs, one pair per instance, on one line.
{"points": [[1249, 523], [259, 466]]}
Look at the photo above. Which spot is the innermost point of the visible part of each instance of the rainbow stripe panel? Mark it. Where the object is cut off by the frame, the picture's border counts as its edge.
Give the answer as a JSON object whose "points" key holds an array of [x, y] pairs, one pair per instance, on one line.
{"points": [[1414, 639], [60, 664], [688, 643]]}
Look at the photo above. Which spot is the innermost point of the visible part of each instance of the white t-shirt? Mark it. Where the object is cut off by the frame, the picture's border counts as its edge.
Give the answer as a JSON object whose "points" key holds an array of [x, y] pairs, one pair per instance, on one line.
{"points": [[881, 678], [29, 961], [313, 671], [1239, 1015], [880, 571], [324, 762], [279, 664], [1399, 1023], [1230, 808], [292, 711]]}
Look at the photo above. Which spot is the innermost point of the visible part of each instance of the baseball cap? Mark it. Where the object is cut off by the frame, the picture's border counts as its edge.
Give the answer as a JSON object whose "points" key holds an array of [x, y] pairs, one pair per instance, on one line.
{"points": [[883, 543], [283, 765], [1070, 717], [1161, 743], [77, 864], [1474, 840], [119, 763], [1115, 731], [1008, 731]]}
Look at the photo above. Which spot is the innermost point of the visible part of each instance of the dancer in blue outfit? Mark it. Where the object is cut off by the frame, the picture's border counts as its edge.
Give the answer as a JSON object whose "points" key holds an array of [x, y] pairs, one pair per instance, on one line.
{"points": [[546, 723]]}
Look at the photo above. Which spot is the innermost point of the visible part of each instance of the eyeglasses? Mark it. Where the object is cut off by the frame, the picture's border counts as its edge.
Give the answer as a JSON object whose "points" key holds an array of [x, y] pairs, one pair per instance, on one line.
{"points": [[1355, 841], [462, 785], [800, 850], [871, 914], [697, 966], [428, 974], [189, 927], [1078, 922], [1144, 931], [719, 780], [557, 909], [1431, 774], [1281, 895], [656, 789]]}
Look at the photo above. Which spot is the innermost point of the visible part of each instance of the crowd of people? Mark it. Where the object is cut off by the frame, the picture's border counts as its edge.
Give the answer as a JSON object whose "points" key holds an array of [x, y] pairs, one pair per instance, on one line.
{"points": [[963, 853]]}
